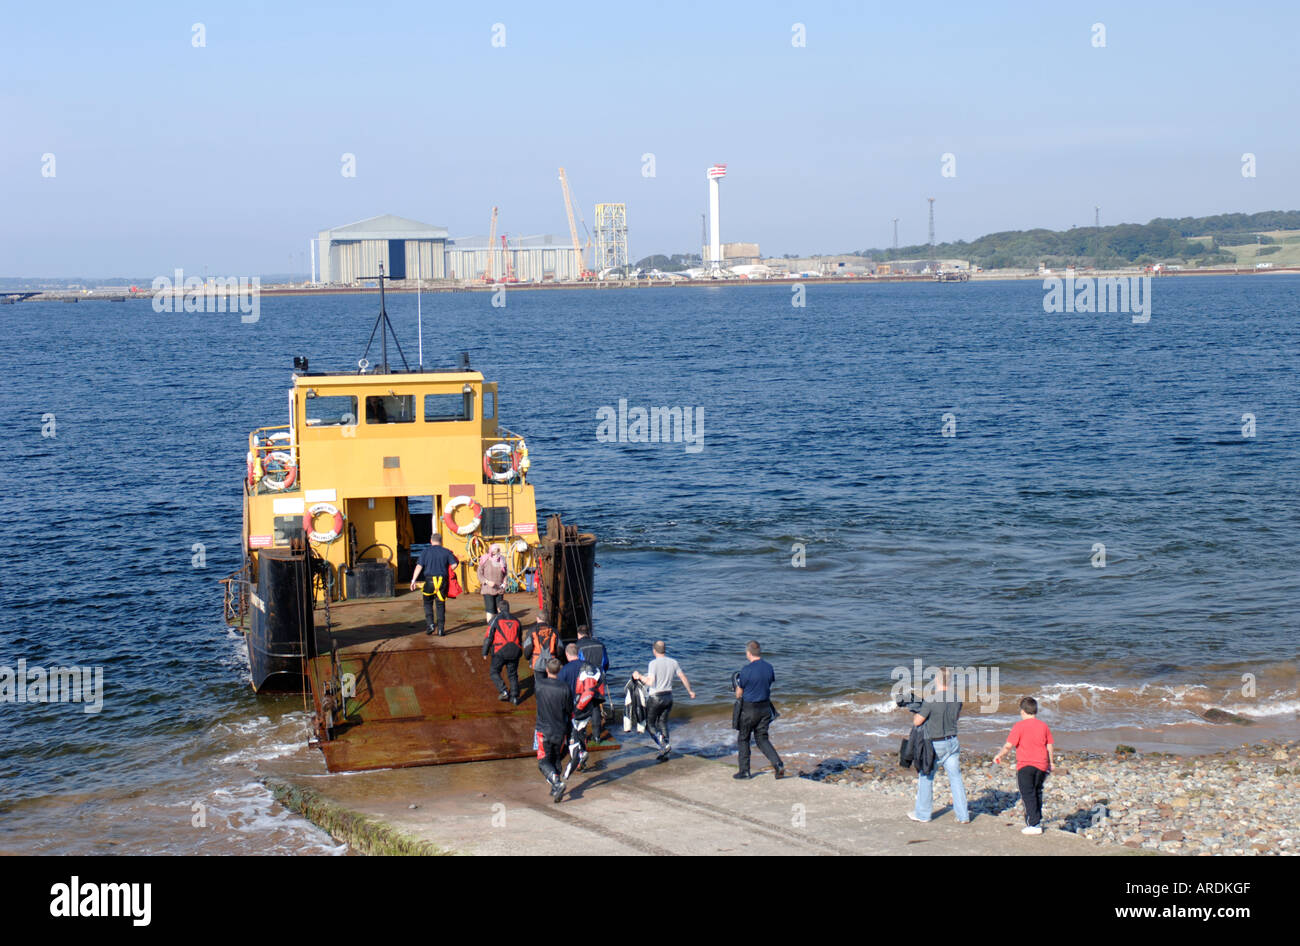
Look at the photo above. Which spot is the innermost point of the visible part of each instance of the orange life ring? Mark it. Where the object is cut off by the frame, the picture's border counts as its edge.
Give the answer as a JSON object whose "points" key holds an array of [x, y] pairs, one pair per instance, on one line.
{"points": [[309, 523], [284, 458], [449, 517]]}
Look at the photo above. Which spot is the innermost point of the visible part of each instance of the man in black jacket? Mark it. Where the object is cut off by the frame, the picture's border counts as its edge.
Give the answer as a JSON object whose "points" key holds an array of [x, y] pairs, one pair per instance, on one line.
{"points": [[554, 713]]}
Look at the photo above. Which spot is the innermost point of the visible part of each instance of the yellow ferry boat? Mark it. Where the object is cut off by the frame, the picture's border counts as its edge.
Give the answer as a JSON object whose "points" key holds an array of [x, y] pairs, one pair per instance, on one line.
{"points": [[368, 467]]}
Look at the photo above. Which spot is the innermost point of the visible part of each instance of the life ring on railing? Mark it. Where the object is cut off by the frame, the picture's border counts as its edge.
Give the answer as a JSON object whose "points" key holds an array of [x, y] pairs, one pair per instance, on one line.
{"points": [[449, 515], [290, 471], [500, 453], [254, 470], [309, 523]]}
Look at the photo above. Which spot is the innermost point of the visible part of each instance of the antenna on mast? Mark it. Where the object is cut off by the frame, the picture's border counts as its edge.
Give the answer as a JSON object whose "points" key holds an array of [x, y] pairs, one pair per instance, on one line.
{"points": [[382, 320]]}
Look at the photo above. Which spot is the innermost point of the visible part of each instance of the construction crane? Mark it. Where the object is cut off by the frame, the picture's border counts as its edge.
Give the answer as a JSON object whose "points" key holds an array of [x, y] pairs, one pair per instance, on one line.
{"points": [[510, 266], [490, 271], [584, 273]]}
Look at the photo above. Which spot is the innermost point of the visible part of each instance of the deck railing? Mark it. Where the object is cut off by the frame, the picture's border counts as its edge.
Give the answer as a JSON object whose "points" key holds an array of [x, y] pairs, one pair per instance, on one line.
{"points": [[272, 460], [235, 591]]}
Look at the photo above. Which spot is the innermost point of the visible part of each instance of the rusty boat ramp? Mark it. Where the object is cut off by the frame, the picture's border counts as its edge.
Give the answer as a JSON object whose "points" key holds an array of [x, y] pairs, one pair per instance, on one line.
{"points": [[629, 803]]}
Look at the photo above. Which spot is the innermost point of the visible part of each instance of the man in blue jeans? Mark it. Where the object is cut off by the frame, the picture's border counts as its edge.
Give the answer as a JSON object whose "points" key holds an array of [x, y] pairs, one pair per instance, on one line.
{"points": [[940, 718]]}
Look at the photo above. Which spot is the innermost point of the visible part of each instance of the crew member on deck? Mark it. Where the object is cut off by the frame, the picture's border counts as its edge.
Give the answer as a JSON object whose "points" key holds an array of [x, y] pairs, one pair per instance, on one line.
{"points": [[435, 562], [492, 579]]}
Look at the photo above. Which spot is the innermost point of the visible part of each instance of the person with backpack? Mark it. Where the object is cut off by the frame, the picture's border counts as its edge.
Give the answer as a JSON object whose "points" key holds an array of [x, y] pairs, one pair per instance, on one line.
{"points": [[659, 701], [542, 644], [436, 563], [503, 641], [554, 711]]}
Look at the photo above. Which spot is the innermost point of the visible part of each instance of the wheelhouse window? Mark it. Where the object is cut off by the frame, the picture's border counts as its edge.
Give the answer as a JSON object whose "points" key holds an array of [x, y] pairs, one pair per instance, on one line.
{"points": [[390, 409], [331, 410], [440, 408]]}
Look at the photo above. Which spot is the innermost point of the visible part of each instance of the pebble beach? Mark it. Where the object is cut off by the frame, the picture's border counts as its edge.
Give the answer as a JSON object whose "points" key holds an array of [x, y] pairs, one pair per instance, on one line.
{"points": [[1242, 801]]}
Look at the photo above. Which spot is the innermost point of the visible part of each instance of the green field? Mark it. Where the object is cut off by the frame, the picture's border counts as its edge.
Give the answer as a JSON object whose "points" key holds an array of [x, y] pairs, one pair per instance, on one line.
{"points": [[1289, 254]]}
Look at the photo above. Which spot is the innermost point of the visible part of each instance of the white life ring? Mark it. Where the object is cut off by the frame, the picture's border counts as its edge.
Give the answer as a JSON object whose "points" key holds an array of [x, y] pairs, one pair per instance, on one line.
{"points": [[309, 523], [499, 453], [449, 515]]}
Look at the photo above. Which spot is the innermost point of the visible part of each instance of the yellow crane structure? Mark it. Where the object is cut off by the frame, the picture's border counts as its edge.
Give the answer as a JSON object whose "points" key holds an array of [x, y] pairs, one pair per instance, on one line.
{"points": [[490, 270], [583, 272]]}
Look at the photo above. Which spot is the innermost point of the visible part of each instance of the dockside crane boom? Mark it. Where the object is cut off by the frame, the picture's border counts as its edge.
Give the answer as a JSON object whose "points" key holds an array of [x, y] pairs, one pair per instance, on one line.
{"points": [[584, 273], [510, 266], [490, 271]]}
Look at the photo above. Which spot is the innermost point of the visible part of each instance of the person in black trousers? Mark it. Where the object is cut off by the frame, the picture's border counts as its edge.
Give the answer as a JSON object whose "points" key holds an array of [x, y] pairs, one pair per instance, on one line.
{"points": [[554, 713], [435, 562], [504, 641], [754, 690]]}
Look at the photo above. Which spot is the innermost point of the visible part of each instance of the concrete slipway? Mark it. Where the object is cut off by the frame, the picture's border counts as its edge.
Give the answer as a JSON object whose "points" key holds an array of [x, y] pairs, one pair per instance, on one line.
{"points": [[632, 804]]}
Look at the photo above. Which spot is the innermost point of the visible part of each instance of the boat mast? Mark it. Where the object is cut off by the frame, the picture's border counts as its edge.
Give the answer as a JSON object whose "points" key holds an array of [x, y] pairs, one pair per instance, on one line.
{"points": [[382, 320]]}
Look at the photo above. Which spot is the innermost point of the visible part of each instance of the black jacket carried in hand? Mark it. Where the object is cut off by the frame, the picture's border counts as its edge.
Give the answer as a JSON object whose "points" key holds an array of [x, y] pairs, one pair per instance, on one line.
{"points": [[917, 751]]}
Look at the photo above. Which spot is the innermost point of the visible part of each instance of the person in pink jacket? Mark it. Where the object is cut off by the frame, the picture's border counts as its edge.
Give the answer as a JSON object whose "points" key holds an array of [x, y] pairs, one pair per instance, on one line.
{"points": [[492, 580]]}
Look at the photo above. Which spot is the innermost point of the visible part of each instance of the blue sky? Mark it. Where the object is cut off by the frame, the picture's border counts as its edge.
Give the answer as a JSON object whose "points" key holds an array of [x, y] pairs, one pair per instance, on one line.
{"points": [[228, 156]]}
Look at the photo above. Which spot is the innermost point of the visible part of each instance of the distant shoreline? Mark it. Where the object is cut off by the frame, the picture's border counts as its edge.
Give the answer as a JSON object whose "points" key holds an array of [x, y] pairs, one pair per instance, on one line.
{"points": [[122, 294]]}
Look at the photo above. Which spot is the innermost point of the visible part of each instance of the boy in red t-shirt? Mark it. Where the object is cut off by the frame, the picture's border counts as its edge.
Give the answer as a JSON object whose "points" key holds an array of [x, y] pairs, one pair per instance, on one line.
{"points": [[1032, 741]]}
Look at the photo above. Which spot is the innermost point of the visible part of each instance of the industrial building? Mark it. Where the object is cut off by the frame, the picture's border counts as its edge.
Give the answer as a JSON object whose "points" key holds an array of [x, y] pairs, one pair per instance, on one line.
{"points": [[407, 249], [542, 258]]}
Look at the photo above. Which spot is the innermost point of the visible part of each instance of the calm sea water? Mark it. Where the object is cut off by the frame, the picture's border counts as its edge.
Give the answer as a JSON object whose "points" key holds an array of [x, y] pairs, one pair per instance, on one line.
{"points": [[826, 515]]}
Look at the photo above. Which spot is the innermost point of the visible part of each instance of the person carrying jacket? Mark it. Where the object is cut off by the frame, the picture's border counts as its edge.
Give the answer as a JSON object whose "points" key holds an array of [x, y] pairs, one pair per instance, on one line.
{"points": [[754, 690], [938, 717], [554, 711], [503, 641], [658, 678], [492, 580], [435, 562]]}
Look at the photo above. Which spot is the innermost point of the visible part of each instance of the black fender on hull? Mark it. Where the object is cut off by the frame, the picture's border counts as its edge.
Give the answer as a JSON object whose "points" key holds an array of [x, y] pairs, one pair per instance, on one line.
{"points": [[281, 625]]}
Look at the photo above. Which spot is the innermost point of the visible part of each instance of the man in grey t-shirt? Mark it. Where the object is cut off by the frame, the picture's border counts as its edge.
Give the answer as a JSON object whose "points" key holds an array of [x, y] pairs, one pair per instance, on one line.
{"points": [[658, 679], [940, 718]]}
